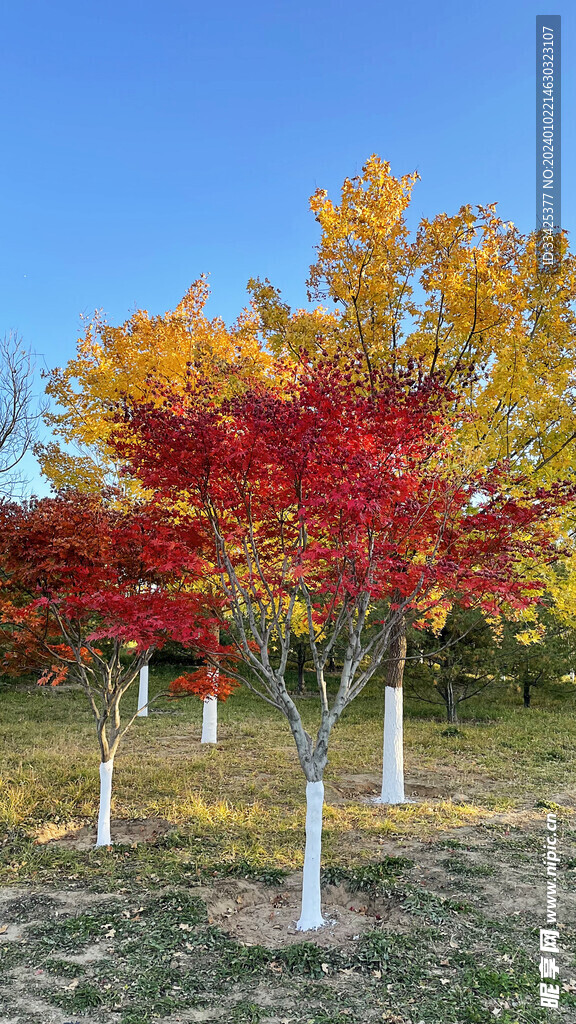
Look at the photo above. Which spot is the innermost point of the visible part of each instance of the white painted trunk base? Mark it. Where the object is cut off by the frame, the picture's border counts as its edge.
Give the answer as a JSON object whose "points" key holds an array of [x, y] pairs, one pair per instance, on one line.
{"points": [[210, 720], [143, 692], [311, 915], [106, 769], [393, 759]]}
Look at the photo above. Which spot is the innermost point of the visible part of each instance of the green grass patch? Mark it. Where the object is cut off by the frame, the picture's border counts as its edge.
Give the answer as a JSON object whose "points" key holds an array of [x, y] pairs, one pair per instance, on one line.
{"points": [[439, 955]]}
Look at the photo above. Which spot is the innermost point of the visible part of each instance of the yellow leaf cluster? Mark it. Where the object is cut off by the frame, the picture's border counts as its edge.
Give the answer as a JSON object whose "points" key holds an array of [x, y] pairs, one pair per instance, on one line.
{"points": [[113, 363], [462, 295]]}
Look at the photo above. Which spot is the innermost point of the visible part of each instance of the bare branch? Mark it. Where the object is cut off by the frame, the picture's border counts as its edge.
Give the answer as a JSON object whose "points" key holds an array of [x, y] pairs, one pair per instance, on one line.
{"points": [[19, 412]]}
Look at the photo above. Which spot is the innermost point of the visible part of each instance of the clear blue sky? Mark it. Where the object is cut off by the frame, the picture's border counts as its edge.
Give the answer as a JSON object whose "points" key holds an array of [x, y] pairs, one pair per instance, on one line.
{"points": [[146, 142]]}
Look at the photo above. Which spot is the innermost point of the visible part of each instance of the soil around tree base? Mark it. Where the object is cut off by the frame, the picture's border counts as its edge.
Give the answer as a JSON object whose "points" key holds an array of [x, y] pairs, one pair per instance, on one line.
{"points": [[73, 836]]}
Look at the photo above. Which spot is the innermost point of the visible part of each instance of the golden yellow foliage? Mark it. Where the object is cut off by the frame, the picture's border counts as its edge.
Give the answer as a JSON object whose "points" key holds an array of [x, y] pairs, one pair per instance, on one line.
{"points": [[115, 362], [463, 291]]}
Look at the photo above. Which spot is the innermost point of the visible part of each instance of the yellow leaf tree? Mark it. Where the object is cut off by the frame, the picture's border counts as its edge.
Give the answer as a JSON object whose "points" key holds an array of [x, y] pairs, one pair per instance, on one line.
{"points": [[462, 295]]}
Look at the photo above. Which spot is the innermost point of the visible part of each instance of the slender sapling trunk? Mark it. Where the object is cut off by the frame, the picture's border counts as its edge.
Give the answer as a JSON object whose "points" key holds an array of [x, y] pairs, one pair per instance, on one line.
{"points": [[451, 705], [311, 914], [143, 692], [393, 749], [210, 704], [210, 719], [106, 769]]}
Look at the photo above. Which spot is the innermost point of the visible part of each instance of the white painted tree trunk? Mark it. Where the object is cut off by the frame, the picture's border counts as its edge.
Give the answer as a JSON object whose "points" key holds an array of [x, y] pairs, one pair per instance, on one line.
{"points": [[393, 766], [143, 692], [210, 720], [106, 768], [311, 916], [210, 708]]}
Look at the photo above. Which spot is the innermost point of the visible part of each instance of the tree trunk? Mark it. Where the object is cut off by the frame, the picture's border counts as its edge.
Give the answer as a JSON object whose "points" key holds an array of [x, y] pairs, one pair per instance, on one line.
{"points": [[311, 915], [331, 664], [210, 720], [143, 692], [301, 655], [210, 704], [106, 768], [451, 706], [526, 693], [393, 751]]}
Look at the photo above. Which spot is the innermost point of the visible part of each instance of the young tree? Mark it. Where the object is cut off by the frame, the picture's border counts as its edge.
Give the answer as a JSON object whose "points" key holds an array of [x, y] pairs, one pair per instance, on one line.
{"points": [[468, 654], [213, 689], [539, 656], [81, 584], [454, 664], [212, 686], [334, 494]]}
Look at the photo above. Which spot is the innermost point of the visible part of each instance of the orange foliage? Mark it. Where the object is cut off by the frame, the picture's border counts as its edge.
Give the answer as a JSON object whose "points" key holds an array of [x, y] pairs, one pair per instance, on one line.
{"points": [[204, 682]]}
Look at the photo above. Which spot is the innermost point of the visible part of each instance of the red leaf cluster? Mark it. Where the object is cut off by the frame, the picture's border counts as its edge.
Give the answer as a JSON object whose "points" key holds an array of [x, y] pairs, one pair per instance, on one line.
{"points": [[76, 571], [342, 486], [204, 682]]}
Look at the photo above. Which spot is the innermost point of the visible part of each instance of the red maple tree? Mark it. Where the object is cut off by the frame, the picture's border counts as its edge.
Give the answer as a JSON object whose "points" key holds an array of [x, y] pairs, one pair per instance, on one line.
{"points": [[89, 590], [324, 492]]}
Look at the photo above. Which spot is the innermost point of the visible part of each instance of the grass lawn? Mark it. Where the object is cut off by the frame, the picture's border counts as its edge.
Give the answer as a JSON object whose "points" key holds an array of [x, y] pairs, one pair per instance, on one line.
{"points": [[188, 917]]}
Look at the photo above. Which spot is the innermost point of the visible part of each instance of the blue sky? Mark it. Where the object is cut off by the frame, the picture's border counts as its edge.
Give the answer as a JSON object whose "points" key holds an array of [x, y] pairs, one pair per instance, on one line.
{"points": [[148, 142]]}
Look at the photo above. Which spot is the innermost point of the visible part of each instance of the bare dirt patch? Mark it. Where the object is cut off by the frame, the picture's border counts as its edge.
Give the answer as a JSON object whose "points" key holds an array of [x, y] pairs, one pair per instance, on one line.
{"points": [[129, 833], [255, 914], [565, 799], [366, 786]]}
